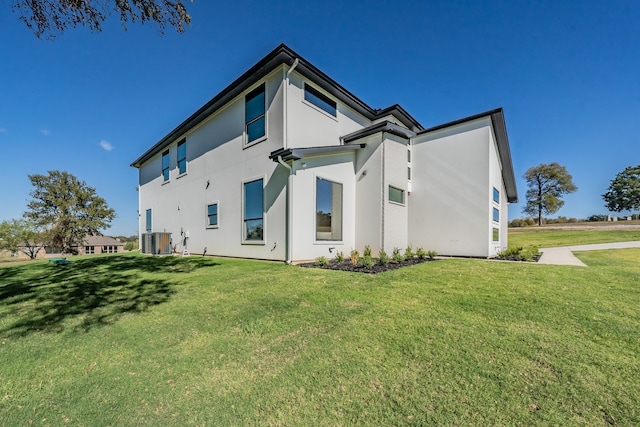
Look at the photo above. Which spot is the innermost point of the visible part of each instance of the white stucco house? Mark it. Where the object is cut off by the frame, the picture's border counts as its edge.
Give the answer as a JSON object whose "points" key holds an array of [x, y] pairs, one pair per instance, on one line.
{"points": [[286, 164]]}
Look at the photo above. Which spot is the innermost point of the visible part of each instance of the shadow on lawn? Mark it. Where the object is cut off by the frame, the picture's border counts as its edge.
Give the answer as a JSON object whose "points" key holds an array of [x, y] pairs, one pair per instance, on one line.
{"points": [[88, 293]]}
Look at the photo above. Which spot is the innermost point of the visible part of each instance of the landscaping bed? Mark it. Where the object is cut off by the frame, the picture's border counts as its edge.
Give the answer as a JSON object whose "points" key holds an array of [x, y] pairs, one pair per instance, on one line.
{"points": [[360, 268]]}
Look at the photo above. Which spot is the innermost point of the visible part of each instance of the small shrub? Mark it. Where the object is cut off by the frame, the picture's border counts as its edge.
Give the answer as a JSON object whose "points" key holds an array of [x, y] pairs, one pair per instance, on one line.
{"points": [[321, 261], [339, 256], [432, 254], [367, 251], [354, 256], [383, 258], [366, 262], [421, 253], [519, 253], [408, 253], [396, 256]]}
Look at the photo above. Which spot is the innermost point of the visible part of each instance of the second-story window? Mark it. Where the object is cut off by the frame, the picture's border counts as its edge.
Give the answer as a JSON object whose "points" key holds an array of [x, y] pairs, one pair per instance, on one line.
{"points": [[182, 157], [254, 114], [320, 100], [165, 166]]}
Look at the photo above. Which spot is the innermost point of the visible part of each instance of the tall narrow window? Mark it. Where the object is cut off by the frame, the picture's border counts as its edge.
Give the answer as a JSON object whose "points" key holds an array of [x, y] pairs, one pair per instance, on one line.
{"points": [[496, 235], [212, 215], [254, 114], [328, 210], [496, 215], [165, 165], [182, 157], [254, 210], [319, 100], [496, 195], [148, 221]]}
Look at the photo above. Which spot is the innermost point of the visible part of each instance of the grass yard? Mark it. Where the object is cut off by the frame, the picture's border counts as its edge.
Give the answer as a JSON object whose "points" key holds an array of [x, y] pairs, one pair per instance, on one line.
{"points": [[136, 340], [549, 237]]}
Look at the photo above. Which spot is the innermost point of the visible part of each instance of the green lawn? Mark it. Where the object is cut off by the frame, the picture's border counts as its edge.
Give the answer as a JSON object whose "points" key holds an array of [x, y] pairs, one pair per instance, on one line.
{"points": [[135, 340], [547, 238]]}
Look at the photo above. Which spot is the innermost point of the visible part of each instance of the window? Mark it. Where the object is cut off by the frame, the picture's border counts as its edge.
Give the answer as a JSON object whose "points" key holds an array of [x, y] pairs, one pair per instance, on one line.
{"points": [[109, 250], [321, 101], [396, 195], [182, 157], [212, 215], [165, 166], [409, 173], [496, 235], [496, 215], [89, 249], [254, 114], [253, 210], [496, 195], [148, 221], [409, 156], [328, 210]]}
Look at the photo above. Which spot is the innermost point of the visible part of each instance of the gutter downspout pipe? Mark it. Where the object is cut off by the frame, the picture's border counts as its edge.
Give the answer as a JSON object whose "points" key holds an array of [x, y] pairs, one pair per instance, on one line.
{"points": [[288, 237]]}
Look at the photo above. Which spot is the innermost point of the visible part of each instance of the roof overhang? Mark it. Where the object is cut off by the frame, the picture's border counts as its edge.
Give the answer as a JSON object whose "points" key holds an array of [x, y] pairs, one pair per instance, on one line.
{"points": [[300, 153], [282, 55], [385, 126], [502, 140]]}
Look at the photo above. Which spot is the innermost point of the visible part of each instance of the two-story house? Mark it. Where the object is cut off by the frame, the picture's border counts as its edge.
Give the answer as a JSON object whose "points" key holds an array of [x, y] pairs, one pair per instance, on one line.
{"points": [[286, 164]]}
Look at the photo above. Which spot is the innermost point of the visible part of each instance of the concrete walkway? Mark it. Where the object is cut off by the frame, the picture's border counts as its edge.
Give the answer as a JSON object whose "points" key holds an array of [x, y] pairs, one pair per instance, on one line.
{"points": [[564, 255]]}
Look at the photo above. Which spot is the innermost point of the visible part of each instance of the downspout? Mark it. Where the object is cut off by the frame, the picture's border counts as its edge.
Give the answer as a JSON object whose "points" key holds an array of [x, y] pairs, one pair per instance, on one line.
{"points": [[285, 143], [288, 240], [383, 204], [285, 133]]}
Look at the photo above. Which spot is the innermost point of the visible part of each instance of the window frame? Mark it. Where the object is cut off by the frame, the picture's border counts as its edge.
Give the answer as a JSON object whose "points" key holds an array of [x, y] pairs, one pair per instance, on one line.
{"points": [[180, 144], [496, 195], [496, 215], [495, 234], [331, 240], [215, 203], [148, 225], [166, 171], [246, 241], [402, 192], [249, 96], [331, 111]]}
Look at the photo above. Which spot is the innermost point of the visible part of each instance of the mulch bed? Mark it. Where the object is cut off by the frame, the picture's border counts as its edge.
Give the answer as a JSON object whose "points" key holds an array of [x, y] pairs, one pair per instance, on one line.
{"points": [[347, 266]]}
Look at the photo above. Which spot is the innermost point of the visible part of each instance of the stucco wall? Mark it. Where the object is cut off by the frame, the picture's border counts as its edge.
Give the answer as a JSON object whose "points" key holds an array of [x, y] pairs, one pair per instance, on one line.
{"points": [[218, 162], [448, 206], [395, 174]]}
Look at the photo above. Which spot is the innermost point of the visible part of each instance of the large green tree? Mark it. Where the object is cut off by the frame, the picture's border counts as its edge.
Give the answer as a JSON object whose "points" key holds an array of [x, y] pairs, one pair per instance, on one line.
{"points": [[547, 184], [47, 18], [67, 208], [20, 235], [623, 193]]}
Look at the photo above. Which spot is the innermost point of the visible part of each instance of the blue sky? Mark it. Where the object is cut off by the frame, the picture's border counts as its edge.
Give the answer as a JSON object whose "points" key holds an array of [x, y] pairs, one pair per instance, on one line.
{"points": [[567, 76]]}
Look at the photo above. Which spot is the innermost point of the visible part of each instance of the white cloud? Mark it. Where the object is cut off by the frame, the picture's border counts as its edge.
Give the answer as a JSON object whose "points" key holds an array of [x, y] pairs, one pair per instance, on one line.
{"points": [[45, 132], [106, 145]]}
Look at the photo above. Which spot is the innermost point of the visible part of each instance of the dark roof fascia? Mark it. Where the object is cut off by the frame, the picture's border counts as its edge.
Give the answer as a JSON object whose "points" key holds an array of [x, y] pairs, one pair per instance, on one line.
{"points": [[399, 112], [385, 126], [279, 56], [500, 132], [300, 153]]}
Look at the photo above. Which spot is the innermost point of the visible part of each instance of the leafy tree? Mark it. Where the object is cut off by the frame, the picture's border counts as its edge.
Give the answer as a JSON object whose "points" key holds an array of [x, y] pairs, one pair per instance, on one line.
{"points": [[547, 184], [20, 235], [67, 208], [623, 193], [46, 18]]}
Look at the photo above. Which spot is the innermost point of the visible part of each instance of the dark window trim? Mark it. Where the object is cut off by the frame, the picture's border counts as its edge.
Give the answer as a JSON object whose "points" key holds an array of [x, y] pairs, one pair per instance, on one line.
{"points": [[217, 215], [167, 168], [244, 211]]}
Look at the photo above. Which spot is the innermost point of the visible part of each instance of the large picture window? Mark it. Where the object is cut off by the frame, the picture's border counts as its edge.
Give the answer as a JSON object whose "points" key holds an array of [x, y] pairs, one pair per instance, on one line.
{"points": [[165, 166], [254, 210], [328, 210], [321, 101], [182, 157], [254, 112]]}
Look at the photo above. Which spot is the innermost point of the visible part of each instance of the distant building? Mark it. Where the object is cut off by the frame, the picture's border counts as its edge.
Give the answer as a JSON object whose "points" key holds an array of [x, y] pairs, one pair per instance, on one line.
{"points": [[99, 245]]}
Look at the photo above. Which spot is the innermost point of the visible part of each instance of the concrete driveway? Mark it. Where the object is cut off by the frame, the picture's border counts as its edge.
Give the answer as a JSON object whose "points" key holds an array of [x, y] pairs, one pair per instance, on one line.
{"points": [[564, 255]]}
